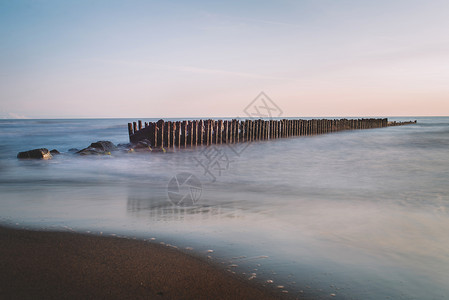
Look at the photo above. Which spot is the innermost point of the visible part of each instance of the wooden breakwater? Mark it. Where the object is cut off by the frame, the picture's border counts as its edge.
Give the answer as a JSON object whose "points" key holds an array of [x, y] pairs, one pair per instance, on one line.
{"points": [[179, 134], [395, 123]]}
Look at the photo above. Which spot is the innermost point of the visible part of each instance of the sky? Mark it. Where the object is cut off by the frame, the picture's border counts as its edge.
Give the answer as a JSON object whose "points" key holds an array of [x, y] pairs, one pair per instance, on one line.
{"points": [[162, 59]]}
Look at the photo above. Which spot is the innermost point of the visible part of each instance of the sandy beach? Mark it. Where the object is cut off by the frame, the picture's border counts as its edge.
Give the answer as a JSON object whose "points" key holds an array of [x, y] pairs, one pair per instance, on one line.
{"points": [[63, 265]]}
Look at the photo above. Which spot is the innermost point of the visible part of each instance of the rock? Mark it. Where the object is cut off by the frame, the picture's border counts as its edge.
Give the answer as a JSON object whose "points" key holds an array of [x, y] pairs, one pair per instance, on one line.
{"points": [[103, 146], [161, 149], [98, 148], [144, 145], [41, 153], [126, 146], [54, 152]]}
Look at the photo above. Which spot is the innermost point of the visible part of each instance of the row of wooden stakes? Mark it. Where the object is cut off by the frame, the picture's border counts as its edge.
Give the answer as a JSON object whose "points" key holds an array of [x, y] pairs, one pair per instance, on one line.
{"points": [[179, 134]]}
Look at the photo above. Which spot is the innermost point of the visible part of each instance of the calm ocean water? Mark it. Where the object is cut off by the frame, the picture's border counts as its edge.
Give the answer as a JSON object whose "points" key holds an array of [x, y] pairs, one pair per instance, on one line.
{"points": [[351, 215]]}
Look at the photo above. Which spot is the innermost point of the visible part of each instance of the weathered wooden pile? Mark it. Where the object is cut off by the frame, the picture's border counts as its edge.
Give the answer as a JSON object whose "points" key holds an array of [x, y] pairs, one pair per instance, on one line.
{"points": [[169, 134], [395, 123]]}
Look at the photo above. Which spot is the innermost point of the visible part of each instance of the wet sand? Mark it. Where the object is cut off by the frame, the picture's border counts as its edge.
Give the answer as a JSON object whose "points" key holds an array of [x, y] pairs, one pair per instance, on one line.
{"points": [[63, 265]]}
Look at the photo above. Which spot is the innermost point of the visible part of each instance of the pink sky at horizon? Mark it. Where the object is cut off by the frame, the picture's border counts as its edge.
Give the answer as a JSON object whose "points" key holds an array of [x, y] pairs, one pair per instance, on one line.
{"points": [[151, 59]]}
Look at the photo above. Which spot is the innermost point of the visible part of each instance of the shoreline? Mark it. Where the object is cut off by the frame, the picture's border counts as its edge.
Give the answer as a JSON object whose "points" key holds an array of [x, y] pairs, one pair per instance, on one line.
{"points": [[55, 265]]}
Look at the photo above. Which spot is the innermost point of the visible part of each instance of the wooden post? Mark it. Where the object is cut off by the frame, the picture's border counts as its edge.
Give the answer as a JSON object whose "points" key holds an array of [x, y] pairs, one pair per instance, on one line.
{"points": [[263, 130], [183, 134], [256, 130], [251, 130], [212, 132], [229, 132], [207, 132], [236, 131], [201, 132], [290, 128], [293, 128], [140, 124], [226, 132], [270, 127], [220, 132], [190, 128], [154, 130], [215, 132], [281, 126], [160, 133], [267, 129], [195, 133], [130, 129], [278, 129], [169, 133], [176, 142], [248, 131], [286, 128]]}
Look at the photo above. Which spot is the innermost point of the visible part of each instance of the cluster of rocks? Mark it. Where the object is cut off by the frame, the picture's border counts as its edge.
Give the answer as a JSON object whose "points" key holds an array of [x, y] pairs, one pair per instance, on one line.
{"points": [[41, 153], [97, 148]]}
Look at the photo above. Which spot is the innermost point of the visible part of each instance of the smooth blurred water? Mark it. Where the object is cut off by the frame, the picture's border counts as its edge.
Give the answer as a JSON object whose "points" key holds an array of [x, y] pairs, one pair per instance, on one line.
{"points": [[361, 214]]}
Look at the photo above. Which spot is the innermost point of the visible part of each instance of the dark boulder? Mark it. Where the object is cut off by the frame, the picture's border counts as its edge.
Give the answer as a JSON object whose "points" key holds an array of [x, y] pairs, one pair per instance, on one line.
{"points": [[41, 153], [103, 146], [125, 146], [160, 150], [98, 148], [143, 145], [54, 152]]}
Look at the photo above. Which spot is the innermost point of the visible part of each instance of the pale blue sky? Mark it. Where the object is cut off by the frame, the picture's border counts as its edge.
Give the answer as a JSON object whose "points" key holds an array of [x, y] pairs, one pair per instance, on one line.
{"points": [[200, 58]]}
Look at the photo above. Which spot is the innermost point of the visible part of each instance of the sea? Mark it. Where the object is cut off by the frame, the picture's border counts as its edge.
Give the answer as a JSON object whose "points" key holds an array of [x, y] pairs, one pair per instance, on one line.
{"points": [[360, 214]]}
